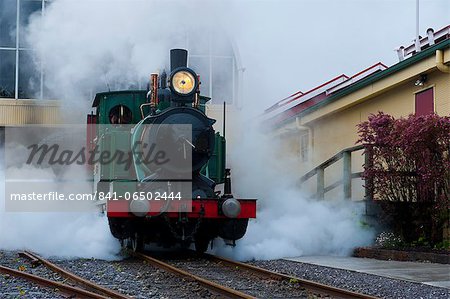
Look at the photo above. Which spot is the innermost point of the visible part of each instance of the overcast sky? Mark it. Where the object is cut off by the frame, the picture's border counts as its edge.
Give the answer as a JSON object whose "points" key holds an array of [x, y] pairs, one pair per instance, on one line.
{"points": [[310, 42]]}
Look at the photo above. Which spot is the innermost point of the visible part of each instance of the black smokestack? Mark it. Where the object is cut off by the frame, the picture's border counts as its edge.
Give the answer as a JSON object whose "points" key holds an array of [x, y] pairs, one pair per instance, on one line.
{"points": [[178, 58]]}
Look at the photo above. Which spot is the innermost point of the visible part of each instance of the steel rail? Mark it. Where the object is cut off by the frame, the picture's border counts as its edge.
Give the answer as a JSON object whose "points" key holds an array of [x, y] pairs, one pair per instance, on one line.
{"points": [[215, 287], [79, 280], [34, 261], [70, 290], [307, 284]]}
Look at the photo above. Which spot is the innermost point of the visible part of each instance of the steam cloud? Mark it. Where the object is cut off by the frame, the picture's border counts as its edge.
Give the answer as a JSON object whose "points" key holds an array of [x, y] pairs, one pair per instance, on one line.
{"points": [[288, 223], [55, 234], [87, 46]]}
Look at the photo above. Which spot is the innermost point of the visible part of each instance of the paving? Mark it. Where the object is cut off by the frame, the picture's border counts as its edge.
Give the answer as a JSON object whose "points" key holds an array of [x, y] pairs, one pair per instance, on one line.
{"points": [[422, 272]]}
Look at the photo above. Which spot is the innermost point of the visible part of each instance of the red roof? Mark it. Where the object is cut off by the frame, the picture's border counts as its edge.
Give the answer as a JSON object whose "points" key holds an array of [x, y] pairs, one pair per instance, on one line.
{"points": [[299, 101]]}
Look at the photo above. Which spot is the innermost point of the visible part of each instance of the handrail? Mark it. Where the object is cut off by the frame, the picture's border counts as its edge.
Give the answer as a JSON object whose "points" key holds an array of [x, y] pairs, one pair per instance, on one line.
{"points": [[347, 174], [330, 161]]}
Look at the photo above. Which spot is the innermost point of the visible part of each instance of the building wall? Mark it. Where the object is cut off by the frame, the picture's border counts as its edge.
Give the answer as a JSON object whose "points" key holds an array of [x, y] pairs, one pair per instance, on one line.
{"points": [[333, 132], [338, 131], [442, 93], [21, 112]]}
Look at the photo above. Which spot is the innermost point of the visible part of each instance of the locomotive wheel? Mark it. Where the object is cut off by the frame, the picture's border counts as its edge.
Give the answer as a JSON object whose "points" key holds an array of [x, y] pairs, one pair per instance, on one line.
{"points": [[201, 245], [136, 242], [125, 243]]}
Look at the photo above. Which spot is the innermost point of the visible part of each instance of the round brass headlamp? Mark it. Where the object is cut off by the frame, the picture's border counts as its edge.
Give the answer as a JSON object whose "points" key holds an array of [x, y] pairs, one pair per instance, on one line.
{"points": [[184, 82]]}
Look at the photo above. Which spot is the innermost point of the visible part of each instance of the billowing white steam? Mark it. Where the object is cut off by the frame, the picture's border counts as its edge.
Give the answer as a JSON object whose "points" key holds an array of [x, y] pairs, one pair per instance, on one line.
{"points": [[83, 234], [84, 47], [89, 46], [288, 224]]}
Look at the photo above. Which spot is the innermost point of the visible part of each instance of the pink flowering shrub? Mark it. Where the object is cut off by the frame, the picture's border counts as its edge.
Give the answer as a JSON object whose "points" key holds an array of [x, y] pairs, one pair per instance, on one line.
{"points": [[410, 163]]}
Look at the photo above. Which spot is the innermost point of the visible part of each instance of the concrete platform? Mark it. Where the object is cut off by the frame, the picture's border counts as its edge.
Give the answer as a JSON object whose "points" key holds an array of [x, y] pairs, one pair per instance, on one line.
{"points": [[427, 273]]}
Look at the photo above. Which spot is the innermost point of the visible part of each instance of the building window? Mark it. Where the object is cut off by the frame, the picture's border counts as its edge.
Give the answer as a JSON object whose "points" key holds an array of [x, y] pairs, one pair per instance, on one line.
{"points": [[20, 76], [425, 102], [212, 57], [210, 54], [304, 146], [222, 80], [27, 9], [8, 16], [7, 73], [29, 76]]}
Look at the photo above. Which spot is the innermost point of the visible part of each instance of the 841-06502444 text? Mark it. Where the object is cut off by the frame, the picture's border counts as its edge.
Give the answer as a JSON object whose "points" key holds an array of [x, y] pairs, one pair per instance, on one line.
{"points": [[59, 196]]}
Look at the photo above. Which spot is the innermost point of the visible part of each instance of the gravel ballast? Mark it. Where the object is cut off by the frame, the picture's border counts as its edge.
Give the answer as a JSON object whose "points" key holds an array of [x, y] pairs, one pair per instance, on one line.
{"points": [[240, 280], [130, 276], [13, 287], [359, 282], [139, 279]]}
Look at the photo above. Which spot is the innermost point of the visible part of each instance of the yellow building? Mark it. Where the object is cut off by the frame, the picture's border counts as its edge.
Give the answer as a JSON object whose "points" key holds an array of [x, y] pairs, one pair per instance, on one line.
{"points": [[318, 124]]}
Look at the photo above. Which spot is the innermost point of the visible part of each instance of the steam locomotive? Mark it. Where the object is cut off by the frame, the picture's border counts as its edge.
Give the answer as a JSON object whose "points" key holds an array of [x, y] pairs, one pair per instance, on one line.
{"points": [[169, 197]]}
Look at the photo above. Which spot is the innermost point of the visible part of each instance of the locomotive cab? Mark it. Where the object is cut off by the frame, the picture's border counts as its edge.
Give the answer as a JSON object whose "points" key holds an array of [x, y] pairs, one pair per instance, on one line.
{"points": [[127, 120]]}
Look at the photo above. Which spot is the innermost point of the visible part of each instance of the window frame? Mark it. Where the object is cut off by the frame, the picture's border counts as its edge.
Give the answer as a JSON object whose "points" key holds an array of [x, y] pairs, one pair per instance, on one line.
{"points": [[304, 149], [19, 49], [424, 89]]}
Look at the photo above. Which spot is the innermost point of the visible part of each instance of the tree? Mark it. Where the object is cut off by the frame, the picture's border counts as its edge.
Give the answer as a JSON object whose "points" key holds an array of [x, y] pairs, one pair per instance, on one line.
{"points": [[410, 163]]}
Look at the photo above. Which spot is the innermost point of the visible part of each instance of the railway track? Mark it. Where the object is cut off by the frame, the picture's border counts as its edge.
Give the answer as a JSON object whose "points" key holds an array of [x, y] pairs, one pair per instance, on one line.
{"points": [[92, 290], [208, 271], [213, 286], [222, 276], [313, 287]]}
